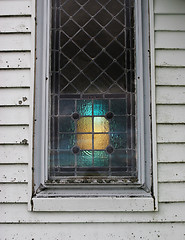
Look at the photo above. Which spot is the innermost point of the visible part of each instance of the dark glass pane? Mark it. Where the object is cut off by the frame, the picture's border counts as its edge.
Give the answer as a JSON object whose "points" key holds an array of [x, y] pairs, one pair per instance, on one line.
{"points": [[118, 106], [118, 140], [84, 159], [119, 159], [67, 107], [66, 141], [101, 159], [118, 124], [84, 107], [66, 158], [66, 124], [101, 107]]}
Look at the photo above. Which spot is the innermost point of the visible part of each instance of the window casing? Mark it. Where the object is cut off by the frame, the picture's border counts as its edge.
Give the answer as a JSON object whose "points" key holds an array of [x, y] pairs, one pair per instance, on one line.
{"points": [[140, 186]]}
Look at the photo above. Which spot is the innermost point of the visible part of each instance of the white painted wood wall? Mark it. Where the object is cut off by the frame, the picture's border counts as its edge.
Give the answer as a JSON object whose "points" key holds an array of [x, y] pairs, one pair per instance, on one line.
{"points": [[16, 78]]}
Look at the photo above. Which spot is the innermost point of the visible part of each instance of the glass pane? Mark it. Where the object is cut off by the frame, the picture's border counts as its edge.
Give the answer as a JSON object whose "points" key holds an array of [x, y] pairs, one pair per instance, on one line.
{"points": [[84, 124], [92, 115], [84, 141], [84, 159], [101, 124], [101, 141]]}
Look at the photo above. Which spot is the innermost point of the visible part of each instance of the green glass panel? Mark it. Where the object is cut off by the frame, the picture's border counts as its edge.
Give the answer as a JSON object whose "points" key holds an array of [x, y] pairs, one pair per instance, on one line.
{"points": [[66, 141], [84, 107], [101, 107], [66, 158], [118, 141], [84, 159], [66, 124], [119, 159], [118, 124], [101, 159], [67, 107], [118, 106]]}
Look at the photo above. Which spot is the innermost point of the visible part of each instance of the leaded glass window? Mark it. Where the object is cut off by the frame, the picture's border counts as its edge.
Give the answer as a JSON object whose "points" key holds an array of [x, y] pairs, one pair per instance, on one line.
{"points": [[92, 91]]}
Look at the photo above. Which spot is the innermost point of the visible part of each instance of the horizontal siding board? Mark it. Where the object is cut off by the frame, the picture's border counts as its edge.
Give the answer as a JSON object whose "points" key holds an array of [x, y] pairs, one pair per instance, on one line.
{"points": [[15, 24], [13, 193], [13, 134], [173, 40], [15, 154], [15, 60], [20, 7], [13, 42], [171, 114], [14, 173], [172, 192], [94, 231], [170, 76], [170, 22], [18, 213], [171, 153], [14, 115], [170, 58], [15, 78], [170, 95], [170, 133], [174, 172], [168, 6], [14, 96]]}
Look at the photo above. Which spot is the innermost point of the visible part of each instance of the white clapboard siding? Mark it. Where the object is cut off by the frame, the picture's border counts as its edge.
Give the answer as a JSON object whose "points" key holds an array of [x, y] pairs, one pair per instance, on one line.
{"points": [[14, 154], [171, 153], [170, 95], [15, 24], [14, 115], [15, 78], [14, 96], [171, 40], [172, 192], [15, 60], [13, 193], [168, 6], [171, 114], [170, 22], [94, 231], [170, 133], [15, 7], [13, 173], [170, 76], [14, 134], [174, 172], [170, 58], [14, 213], [13, 42]]}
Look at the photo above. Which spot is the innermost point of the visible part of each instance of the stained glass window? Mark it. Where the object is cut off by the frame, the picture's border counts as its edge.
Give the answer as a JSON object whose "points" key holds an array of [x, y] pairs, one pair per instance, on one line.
{"points": [[92, 97]]}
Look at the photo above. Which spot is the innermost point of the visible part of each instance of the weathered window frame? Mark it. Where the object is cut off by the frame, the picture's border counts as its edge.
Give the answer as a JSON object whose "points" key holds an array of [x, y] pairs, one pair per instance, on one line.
{"points": [[133, 197]]}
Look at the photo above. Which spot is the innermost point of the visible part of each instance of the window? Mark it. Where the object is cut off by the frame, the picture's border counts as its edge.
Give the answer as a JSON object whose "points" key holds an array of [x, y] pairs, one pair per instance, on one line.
{"points": [[92, 128]]}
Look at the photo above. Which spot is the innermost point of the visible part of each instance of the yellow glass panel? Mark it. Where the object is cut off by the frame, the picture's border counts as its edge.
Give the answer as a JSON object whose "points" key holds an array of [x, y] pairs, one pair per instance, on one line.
{"points": [[101, 124], [84, 124], [101, 141], [84, 141]]}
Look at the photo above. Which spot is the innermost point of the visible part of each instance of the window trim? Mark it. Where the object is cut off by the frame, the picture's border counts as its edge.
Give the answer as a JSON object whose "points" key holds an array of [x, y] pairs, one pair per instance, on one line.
{"points": [[134, 197]]}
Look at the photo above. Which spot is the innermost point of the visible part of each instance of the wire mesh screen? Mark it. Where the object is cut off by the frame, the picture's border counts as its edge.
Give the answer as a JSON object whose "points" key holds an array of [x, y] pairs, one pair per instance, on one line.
{"points": [[92, 115]]}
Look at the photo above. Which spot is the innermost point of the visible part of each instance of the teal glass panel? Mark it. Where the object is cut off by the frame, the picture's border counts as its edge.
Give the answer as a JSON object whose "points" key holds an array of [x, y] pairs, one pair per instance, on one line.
{"points": [[101, 159], [118, 106], [84, 159], [66, 158], [101, 107], [66, 141], [118, 141], [84, 107], [119, 159], [118, 124], [66, 107], [66, 124]]}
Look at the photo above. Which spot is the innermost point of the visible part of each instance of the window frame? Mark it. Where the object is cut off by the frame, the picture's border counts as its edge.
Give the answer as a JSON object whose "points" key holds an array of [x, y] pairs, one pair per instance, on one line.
{"points": [[133, 197]]}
